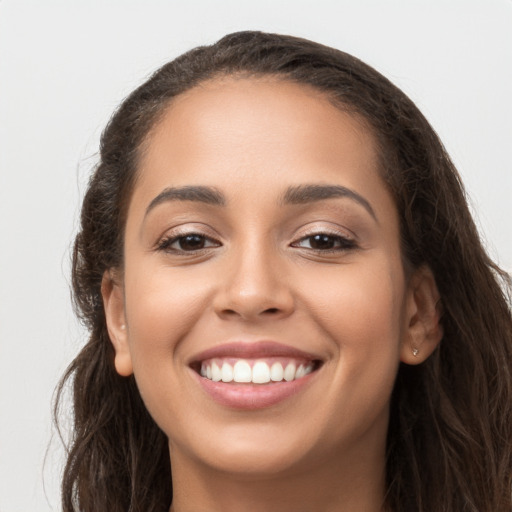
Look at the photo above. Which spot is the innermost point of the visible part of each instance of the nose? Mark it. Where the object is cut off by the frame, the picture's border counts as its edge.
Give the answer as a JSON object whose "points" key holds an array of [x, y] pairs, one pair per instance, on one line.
{"points": [[255, 286]]}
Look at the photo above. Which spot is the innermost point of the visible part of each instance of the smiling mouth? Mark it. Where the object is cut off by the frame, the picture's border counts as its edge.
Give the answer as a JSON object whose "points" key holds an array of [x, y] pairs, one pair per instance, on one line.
{"points": [[255, 371], [253, 376]]}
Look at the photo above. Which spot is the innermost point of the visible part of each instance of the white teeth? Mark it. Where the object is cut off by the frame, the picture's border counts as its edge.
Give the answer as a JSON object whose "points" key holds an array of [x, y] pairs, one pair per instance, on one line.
{"points": [[276, 372], [289, 372], [260, 373], [242, 372], [216, 373], [300, 372], [227, 372]]}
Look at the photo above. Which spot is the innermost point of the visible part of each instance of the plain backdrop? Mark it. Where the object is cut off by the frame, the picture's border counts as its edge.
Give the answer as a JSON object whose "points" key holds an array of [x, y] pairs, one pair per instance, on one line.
{"points": [[65, 66]]}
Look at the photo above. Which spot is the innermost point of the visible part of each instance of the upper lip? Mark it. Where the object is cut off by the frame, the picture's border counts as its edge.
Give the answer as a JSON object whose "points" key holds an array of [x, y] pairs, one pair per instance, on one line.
{"points": [[253, 350]]}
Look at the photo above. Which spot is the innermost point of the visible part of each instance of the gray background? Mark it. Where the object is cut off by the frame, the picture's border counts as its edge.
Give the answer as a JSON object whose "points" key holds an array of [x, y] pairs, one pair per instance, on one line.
{"points": [[64, 66]]}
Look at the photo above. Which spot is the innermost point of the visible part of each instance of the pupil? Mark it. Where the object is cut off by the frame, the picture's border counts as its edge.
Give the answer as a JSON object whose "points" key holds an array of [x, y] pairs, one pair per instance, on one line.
{"points": [[322, 242], [192, 242]]}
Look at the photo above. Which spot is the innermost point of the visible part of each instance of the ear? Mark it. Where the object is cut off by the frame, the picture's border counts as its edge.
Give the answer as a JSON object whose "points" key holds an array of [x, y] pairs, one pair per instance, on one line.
{"points": [[113, 302], [423, 313]]}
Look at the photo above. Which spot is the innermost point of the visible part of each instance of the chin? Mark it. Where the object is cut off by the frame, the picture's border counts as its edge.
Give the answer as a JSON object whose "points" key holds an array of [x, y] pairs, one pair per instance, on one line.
{"points": [[246, 460]]}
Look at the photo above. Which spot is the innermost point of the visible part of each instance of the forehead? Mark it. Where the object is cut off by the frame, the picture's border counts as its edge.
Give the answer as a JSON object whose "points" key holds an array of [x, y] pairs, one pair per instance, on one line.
{"points": [[239, 106], [260, 134]]}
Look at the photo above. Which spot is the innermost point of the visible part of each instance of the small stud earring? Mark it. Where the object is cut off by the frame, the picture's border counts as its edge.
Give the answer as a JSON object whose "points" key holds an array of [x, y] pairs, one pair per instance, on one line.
{"points": [[123, 326], [415, 352]]}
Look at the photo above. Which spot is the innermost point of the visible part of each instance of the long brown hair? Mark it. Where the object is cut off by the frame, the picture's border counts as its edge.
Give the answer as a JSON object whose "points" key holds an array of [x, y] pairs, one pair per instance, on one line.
{"points": [[450, 434]]}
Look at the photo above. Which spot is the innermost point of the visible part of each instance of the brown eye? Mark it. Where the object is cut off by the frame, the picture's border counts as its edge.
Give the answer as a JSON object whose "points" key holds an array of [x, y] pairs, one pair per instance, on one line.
{"points": [[325, 242], [191, 242], [322, 242], [187, 243]]}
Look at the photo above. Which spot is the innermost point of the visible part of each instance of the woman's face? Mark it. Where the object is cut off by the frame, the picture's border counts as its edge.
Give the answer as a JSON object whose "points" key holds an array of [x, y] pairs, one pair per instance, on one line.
{"points": [[260, 238]]}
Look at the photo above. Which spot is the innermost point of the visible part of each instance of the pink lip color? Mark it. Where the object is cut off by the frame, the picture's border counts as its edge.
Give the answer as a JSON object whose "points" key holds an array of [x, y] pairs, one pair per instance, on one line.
{"points": [[259, 349], [252, 396], [249, 396]]}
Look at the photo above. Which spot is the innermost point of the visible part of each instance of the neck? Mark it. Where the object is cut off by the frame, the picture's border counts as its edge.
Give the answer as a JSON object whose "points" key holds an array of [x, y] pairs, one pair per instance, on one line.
{"points": [[358, 484]]}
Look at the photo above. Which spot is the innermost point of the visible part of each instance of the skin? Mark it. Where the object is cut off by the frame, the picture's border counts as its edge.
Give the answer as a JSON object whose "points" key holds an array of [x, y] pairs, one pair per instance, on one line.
{"points": [[259, 276]]}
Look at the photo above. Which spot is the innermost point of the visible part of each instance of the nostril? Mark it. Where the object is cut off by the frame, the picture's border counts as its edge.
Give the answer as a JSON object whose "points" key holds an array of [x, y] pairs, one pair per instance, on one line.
{"points": [[232, 313]]}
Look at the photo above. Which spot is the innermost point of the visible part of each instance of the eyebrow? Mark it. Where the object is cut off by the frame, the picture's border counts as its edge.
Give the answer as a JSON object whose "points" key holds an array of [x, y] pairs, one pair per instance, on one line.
{"points": [[300, 194], [198, 193], [303, 194]]}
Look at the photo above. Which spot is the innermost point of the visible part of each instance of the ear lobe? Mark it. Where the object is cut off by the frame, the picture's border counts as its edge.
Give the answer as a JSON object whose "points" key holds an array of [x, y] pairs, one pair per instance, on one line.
{"points": [[113, 302], [423, 329]]}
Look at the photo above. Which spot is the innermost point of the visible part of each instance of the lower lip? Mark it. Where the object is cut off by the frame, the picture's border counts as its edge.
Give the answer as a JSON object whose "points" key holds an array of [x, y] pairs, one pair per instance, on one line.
{"points": [[252, 396]]}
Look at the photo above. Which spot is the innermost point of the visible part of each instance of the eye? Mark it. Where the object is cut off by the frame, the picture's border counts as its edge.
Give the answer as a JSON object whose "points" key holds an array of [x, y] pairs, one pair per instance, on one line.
{"points": [[325, 242], [189, 242]]}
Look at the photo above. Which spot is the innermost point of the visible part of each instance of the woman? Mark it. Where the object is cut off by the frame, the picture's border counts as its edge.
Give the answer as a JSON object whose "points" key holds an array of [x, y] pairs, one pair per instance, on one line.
{"points": [[288, 301]]}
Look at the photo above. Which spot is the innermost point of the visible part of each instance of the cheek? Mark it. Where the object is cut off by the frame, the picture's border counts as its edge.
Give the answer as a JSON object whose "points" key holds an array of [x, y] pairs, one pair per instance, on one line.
{"points": [[161, 309], [354, 301], [361, 310], [362, 317]]}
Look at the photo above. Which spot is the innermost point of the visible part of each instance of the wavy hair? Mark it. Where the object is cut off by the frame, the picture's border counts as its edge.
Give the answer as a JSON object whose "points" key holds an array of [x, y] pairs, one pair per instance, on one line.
{"points": [[449, 445]]}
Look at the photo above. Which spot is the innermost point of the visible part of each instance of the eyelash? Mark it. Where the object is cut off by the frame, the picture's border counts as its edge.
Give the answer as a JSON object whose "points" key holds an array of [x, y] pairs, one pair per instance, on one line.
{"points": [[166, 243], [341, 243]]}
